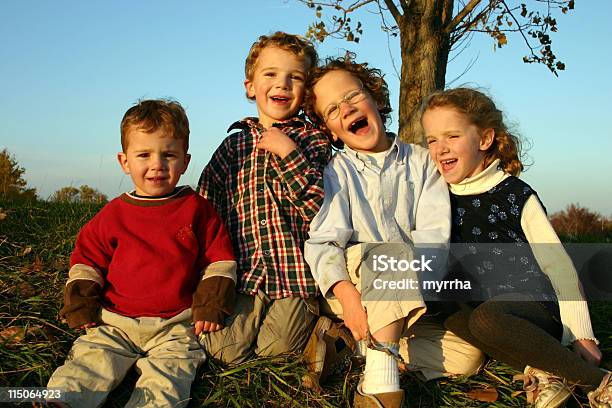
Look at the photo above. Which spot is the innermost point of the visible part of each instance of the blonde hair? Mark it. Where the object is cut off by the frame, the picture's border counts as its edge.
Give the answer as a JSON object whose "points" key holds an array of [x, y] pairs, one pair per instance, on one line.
{"points": [[482, 112], [293, 43], [151, 115]]}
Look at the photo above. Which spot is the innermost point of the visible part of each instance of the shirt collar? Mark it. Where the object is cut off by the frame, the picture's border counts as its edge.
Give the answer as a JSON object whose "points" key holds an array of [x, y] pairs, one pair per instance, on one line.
{"points": [[394, 151], [130, 197], [482, 182], [252, 122]]}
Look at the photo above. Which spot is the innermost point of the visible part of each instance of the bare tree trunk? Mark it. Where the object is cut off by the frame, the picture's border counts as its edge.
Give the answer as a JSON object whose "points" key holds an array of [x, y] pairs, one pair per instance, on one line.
{"points": [[425, 47]]}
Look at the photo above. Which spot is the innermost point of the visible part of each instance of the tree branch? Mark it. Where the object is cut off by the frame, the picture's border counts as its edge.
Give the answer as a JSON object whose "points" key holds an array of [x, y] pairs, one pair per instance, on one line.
{"points": [[397, 16], [461, 15]]}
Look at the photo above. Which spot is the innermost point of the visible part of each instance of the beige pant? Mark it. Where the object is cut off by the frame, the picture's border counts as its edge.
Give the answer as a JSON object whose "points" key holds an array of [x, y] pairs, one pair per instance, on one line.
{"points": [[165, 353], [426, 346], [262, 326]]}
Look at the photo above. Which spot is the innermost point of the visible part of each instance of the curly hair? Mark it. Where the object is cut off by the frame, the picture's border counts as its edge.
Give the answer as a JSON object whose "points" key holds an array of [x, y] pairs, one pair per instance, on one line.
{"points": [[372, 80], [153, 114], [482, 112], [293, 43]]}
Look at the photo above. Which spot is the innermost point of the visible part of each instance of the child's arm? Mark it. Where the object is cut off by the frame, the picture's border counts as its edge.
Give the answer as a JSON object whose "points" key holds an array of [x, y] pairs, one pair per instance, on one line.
{"points": [[215, 294], [433, 218], [214, 297], [330, 231], [214, 176], [89, 260], [557, 265], [301, 168]]}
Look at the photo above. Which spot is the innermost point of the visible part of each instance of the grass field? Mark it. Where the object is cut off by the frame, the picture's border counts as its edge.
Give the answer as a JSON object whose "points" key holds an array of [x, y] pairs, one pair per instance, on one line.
{"points": [[35, 244]]}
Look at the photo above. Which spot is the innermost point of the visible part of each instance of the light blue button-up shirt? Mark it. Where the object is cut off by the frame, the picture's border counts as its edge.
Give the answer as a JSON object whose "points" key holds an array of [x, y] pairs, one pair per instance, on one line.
{"points": [[404, 201]]}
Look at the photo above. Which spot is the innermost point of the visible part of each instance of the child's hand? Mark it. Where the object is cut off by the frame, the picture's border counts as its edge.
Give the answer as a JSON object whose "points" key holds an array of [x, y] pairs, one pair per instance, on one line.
{"points": [[206, 327], [276, 141], [354, 314], [588, 351]]}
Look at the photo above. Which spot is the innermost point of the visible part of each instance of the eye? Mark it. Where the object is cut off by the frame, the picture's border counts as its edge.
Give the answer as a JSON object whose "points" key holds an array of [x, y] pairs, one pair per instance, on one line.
{"points": [[353, 96], [331, 111], [430, 140], [142, 155], [297, 77], [270, 74]]}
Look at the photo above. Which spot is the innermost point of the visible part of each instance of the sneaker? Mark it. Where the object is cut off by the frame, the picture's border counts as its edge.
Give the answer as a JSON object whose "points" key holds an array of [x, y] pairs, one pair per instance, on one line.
{"points": [[602, 396], [544, 390], [329, 345], [393, 399]]}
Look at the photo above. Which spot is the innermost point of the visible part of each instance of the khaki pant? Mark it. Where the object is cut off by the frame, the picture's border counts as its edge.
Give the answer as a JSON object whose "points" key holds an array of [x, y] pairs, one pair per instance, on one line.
{"points": [[426, 346], [165, 353], [262, 326]]}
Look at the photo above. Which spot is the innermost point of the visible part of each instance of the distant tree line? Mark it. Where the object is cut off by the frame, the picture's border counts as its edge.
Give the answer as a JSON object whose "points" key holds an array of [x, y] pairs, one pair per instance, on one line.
{"points": [[573, 222], [14, 187]]}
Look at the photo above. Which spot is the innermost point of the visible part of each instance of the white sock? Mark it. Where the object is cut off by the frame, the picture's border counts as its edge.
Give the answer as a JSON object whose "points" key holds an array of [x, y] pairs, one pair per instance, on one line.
{"points": [[381, 373]]}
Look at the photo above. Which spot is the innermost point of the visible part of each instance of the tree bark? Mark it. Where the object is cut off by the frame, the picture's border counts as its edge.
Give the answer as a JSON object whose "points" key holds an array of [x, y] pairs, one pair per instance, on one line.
{"points": [[425, 47]]}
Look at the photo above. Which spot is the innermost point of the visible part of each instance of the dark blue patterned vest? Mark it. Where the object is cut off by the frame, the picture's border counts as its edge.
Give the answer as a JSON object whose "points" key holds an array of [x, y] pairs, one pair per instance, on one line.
{"points": [[490, 218]]}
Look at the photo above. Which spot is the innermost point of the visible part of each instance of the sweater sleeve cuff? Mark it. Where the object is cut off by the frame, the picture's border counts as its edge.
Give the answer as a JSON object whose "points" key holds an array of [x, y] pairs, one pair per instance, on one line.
{"points": [[81, 303], [576, 322], [214, 299]]}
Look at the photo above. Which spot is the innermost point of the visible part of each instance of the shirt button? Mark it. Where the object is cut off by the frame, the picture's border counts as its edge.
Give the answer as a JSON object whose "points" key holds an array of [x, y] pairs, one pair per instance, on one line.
{"points": [[266, 252], [263, 222]]}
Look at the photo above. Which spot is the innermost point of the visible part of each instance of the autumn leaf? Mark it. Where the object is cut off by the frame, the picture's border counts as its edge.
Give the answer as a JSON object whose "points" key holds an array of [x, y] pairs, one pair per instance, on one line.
{"points": [[12, 336], [483, 394], [3, 214]]}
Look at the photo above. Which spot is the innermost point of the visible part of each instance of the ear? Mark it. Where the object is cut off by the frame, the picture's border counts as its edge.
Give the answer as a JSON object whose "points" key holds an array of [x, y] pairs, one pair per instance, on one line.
{"points": [[187, 160], [486, 139], [123, 162], [250, 88]]}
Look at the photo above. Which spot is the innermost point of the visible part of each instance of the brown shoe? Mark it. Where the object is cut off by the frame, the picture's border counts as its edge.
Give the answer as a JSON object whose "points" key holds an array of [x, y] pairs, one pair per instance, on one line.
{"points": [[393, 399], [329, 344]]}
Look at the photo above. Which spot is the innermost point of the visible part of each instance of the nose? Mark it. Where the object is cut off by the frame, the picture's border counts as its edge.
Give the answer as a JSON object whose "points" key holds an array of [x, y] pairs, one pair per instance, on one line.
{"points": [[158, 162], [440, 147], [283, 82], [346, 108]]}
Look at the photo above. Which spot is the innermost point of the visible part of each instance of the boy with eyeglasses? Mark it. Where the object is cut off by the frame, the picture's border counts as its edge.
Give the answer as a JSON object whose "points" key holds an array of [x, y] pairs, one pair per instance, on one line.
{"points": [[383, 191], [266, 182]]}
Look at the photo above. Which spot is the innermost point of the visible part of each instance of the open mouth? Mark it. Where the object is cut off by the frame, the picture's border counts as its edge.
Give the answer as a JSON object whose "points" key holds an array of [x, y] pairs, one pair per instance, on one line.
{"points": [[358, 125], [157, 179], [447, 164], [280, 99]]}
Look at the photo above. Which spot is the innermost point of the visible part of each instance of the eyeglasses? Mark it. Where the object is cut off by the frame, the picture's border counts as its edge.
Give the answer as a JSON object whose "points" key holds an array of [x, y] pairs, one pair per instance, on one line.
{"points": [[333, 111]]}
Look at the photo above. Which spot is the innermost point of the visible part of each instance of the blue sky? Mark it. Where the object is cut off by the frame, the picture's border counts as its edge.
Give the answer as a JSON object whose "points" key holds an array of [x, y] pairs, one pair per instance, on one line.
{"points": [[70, 69]]}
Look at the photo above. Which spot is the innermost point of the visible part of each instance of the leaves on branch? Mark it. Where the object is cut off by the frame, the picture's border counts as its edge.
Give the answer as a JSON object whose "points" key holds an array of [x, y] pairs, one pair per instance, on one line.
{"points": [[496, 18]]}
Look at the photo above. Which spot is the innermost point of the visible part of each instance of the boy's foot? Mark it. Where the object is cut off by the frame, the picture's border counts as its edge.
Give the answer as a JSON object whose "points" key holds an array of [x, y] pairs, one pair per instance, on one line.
{"points": [[544, 390], [393, 399], [602, 396], [329, 345]]}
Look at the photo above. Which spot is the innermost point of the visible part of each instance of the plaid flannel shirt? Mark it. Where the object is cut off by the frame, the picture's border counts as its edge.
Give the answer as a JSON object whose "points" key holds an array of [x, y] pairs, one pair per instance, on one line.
{"points": [[268, 203]]}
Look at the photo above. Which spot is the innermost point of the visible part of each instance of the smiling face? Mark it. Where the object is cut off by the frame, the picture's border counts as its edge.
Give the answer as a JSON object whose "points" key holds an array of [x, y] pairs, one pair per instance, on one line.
{"points": [[277, 84], [154, 161], [456, 145], [357, 124]]}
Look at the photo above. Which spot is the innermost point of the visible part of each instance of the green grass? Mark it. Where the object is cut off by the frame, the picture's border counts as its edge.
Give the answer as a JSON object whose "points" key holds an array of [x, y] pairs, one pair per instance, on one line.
{"points": [[35, 244]]}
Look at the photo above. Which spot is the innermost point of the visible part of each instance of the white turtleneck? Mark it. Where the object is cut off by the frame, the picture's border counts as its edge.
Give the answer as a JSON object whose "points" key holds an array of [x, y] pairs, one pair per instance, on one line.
{"points": [[552, 259]]}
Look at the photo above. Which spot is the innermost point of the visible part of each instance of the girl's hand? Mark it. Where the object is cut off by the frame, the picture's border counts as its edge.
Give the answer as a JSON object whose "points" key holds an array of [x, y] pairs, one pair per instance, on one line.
{"points": [[588, 351], [354, 314], [206, 327]]}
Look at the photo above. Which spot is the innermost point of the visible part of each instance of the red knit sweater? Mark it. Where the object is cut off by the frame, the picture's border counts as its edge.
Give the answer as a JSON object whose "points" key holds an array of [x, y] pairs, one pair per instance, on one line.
{"points": [[150, 252]]}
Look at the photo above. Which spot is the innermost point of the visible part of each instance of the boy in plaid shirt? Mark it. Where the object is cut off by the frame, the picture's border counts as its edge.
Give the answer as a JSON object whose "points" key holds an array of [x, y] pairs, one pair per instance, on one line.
{"points": [[265, 181]]}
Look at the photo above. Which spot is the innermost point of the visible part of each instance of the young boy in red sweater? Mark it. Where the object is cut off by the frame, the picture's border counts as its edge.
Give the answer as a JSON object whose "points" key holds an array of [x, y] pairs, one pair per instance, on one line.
{"points": [[146, 266]]}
